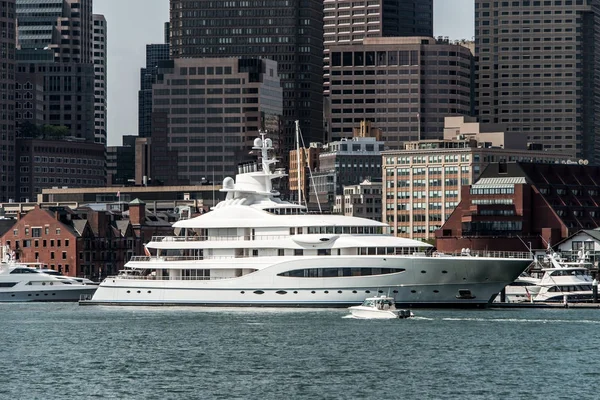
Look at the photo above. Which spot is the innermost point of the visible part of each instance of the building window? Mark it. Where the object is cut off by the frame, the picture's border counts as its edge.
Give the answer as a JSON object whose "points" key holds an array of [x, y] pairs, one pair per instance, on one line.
{"points": [[64, 255], [36, 232], [58, 231]]}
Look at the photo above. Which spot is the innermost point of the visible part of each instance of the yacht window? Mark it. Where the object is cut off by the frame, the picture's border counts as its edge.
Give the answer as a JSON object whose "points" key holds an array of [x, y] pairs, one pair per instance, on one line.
{"points": [[336, 272], [23, 271], [353, 230], [254, 253], [298, 252], [330, 229], [338, 230], [292, 231], [300, 231], [371, 250], [346, 229], [322, 229], [281, 252], [324, 252], [7, 284], [361, 229]]}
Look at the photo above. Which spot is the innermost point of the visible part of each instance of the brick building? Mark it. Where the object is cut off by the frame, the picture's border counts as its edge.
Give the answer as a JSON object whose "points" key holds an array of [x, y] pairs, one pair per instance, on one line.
{"points": [[84, 242], [518, 205]]}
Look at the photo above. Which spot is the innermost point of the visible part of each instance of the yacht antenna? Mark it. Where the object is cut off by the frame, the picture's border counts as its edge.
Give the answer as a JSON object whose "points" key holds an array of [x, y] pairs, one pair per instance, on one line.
{"points": [[298, 163]]}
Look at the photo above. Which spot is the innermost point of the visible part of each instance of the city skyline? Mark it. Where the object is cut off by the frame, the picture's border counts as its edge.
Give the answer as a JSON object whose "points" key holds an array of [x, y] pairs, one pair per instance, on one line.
{"points": [[126, 49]]}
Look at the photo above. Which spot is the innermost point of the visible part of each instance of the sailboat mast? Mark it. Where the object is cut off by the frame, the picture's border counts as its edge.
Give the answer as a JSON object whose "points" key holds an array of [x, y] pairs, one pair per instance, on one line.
{"points": [[298, 163]]}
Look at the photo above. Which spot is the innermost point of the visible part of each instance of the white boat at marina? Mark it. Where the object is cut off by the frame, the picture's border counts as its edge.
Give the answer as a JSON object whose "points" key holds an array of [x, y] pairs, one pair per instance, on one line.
{"points": [[380, 307], [19, 283], [254, 249], [565, 281]]}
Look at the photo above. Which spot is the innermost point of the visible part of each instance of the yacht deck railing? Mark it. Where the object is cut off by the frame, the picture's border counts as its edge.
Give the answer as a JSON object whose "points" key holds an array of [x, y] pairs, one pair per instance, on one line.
{"points": [[472, 254]]}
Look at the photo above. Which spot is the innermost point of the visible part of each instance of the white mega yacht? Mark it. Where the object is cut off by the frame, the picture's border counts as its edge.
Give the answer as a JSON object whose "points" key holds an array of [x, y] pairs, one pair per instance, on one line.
{"points": [[253, 249]]}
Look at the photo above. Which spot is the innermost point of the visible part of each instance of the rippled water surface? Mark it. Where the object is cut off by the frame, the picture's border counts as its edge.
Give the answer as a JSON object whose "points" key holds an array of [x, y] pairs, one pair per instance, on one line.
{"points": [[64, 351]]}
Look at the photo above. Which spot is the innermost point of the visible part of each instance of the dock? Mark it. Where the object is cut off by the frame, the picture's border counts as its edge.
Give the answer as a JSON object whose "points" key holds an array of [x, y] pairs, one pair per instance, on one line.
{"points": [[545, 305]]}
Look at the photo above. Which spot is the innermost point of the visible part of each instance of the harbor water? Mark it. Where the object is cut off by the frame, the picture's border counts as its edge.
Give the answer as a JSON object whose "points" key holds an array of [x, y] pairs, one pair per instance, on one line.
{"points": [[63, 351]]}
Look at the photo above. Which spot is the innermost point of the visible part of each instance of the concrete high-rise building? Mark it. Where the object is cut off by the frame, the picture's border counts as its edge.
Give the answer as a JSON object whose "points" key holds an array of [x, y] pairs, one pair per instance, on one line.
{"points": [[99, 55], [537, 62], [404, 86], [208, 111], [289, 32], [154, 54], [7, 99], [350, 22]]}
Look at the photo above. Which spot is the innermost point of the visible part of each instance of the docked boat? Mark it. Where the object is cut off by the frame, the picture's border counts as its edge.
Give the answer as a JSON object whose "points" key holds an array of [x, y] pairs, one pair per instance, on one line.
{"points": [[380, 307], [21, 283], [523, 289], [254, 249], [565, 281]]}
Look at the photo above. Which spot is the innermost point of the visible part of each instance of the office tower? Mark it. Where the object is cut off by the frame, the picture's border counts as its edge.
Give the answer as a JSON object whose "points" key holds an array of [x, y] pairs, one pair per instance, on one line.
{"points": [[536, 67], [62, 28], [7, 99], [404, 85], [350, 22], [212, 109], [154, 54], [289, 32], [100, 78], [55, 40]]}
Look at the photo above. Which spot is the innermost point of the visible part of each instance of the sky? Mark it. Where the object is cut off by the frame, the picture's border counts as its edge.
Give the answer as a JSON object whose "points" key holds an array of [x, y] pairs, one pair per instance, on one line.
{"points": [[130, 30]]}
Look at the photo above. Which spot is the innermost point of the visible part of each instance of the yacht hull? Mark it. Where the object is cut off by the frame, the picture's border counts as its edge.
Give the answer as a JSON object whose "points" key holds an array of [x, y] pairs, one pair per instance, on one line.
{"points": [[49, 295], [424, 281]]}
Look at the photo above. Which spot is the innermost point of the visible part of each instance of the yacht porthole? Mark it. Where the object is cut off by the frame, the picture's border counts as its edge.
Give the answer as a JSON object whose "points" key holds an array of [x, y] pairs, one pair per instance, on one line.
{"points": [[413, 291], [43, 283], [339, 291], [37, 294], [327, 291], [53, 294], [281, 292], [395, 291], [380, 291], [423, 272], [139, 291], [436, 291], [295, 292], [12, 295], [129, 291], [29, 294], [51, 283], [444, 272], [45, 294], [313, 292], [367, 291], [242, 292], [258, 292], [149, 291], [354, 291]]}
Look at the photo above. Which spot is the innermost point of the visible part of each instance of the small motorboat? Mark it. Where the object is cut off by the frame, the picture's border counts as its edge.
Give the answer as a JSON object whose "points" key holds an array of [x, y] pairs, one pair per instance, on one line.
{"points": [[382, 307]]}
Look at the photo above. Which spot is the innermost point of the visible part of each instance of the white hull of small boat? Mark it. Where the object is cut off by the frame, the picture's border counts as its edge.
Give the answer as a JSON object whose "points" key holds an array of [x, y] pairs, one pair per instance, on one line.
{"points": [[368, 313]]}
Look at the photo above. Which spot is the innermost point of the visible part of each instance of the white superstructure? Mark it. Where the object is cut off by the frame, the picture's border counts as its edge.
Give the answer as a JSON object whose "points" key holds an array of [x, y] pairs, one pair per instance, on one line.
{"points": [[253, 249]]}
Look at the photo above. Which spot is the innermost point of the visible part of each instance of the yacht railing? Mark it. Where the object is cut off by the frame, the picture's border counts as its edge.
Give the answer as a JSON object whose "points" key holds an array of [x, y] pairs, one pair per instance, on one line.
{"points": [[482, 253], [171, 278]]}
